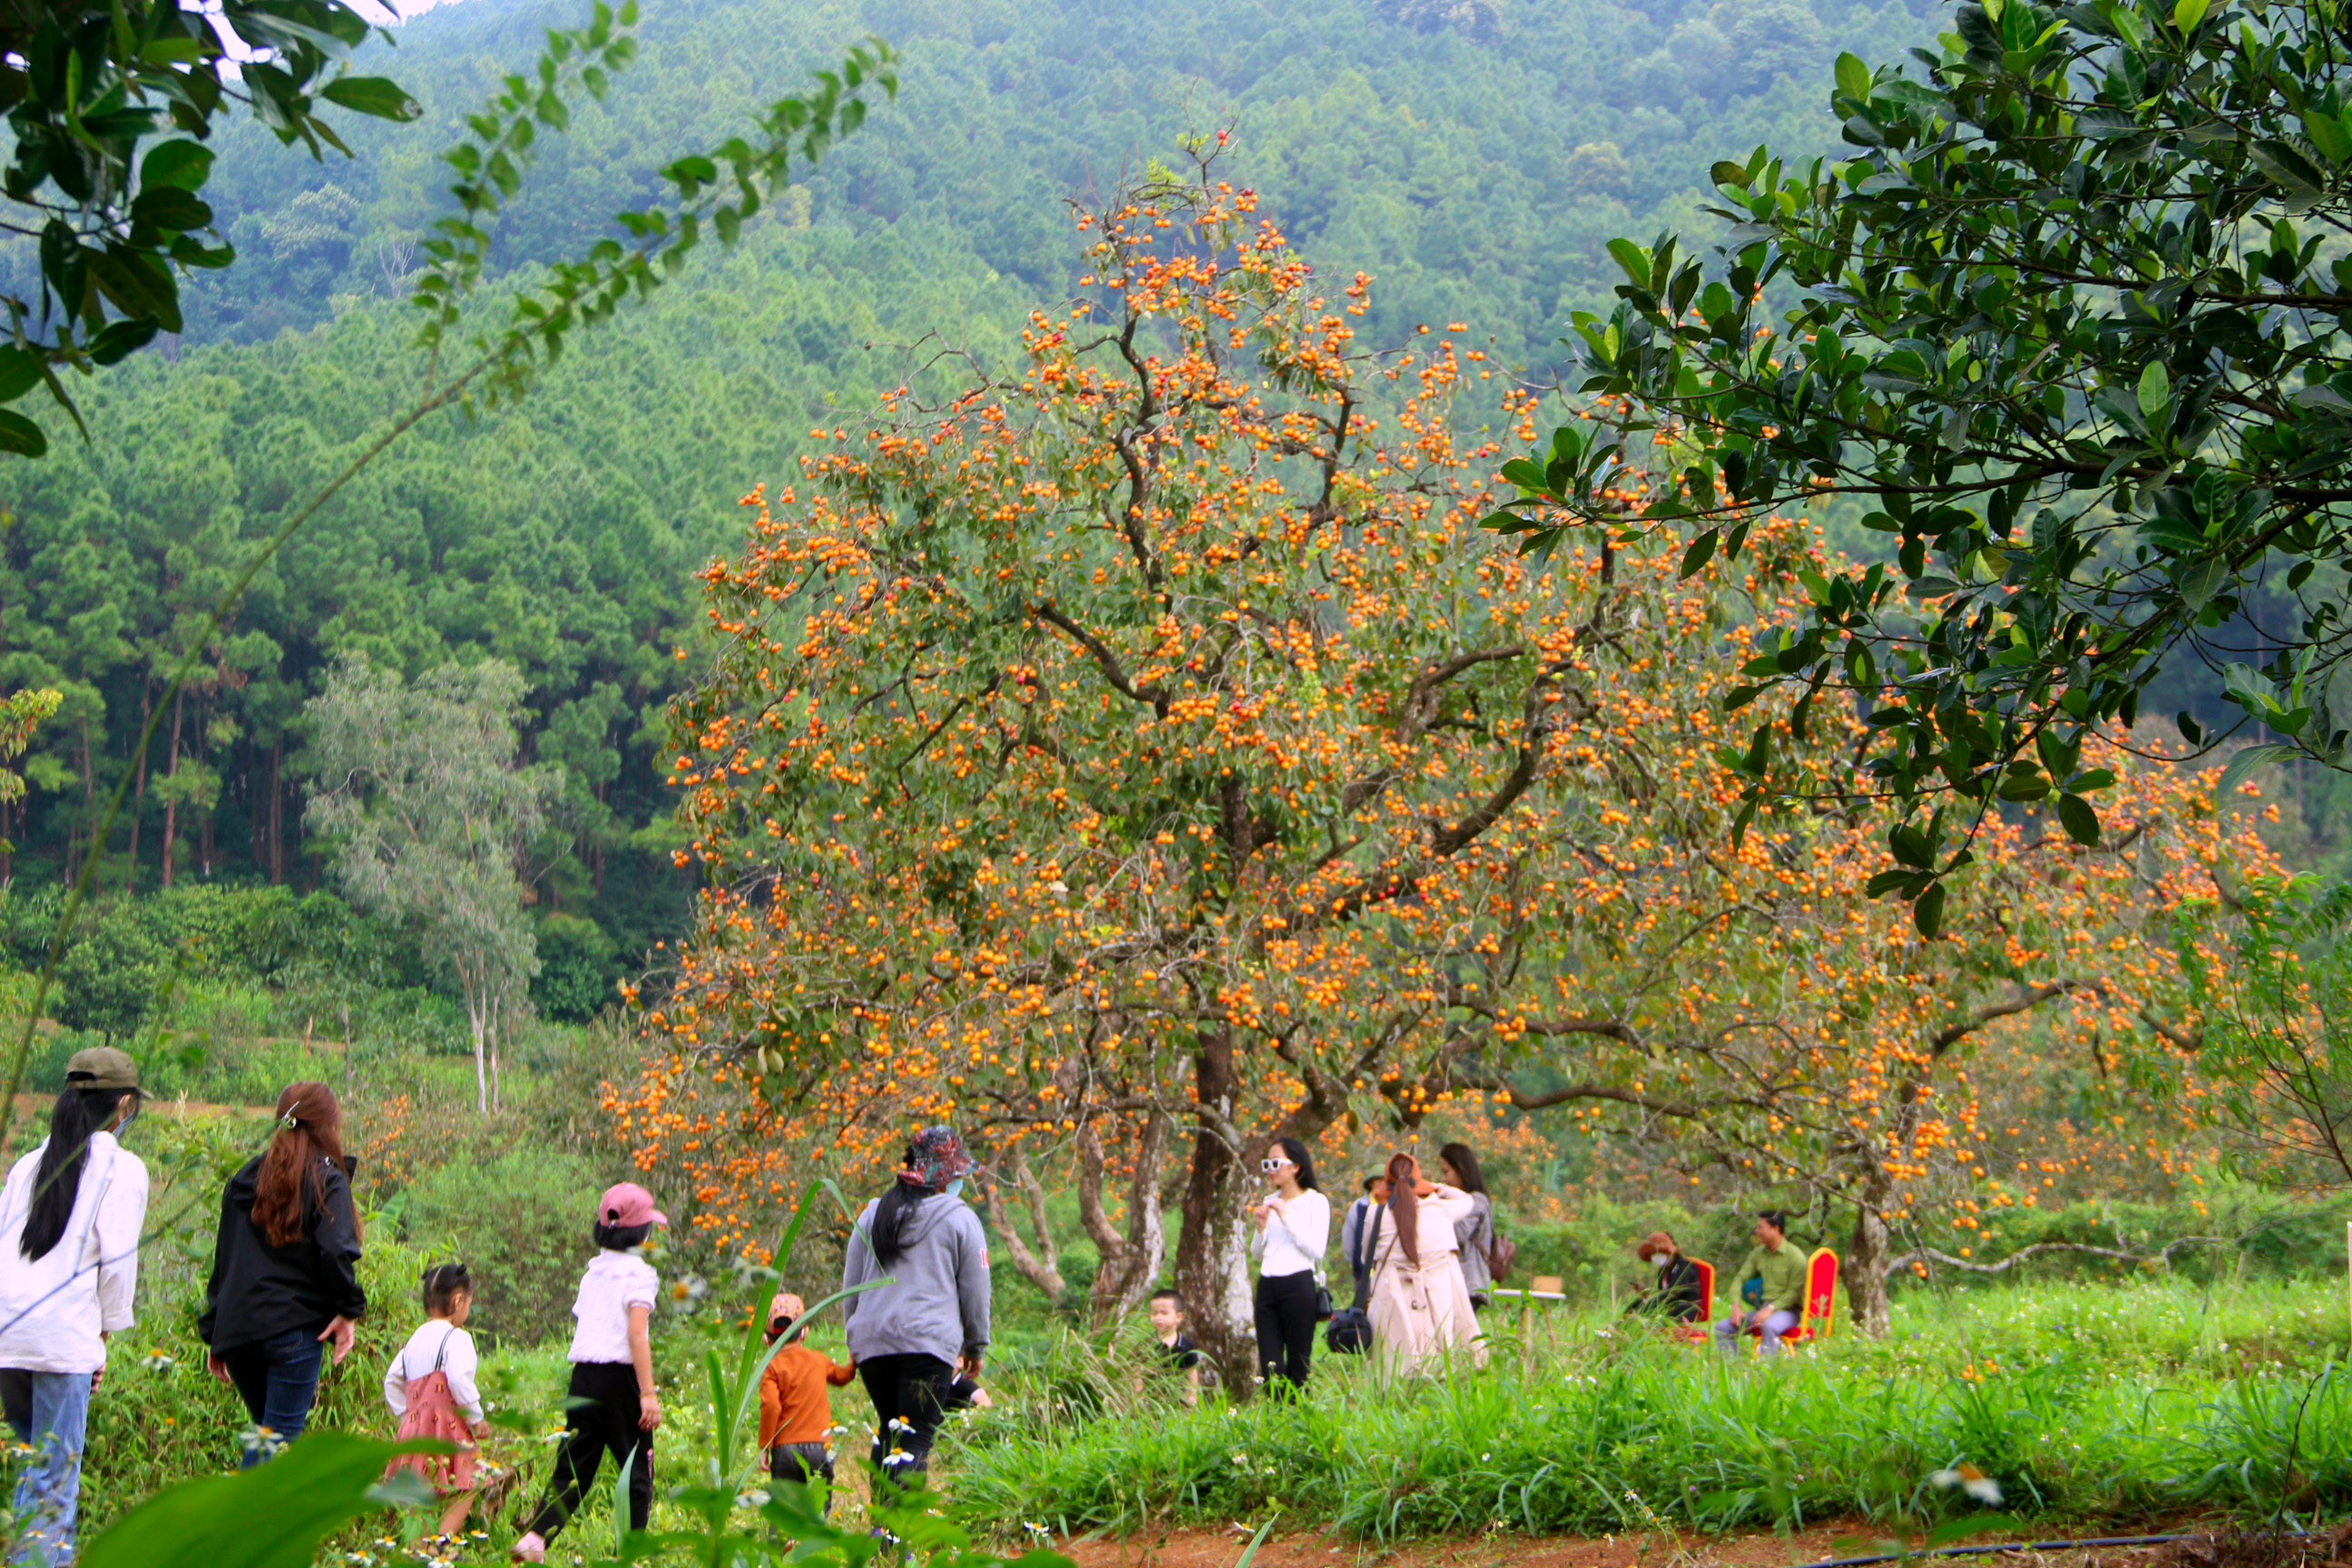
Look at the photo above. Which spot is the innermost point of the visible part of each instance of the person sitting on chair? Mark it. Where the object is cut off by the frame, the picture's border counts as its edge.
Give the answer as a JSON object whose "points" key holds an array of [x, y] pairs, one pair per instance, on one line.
{"points": [[1680, 1294], [1782, 1269]]}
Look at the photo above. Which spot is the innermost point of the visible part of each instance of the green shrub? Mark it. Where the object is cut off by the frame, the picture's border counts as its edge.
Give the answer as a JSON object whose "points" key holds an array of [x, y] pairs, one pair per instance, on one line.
{"points": [[519, 1220], [577, 966]]}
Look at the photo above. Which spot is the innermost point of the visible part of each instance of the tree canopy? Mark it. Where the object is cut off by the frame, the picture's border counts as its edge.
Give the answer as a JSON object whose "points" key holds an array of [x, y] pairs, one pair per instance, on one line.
{"points": [[2067, 328]]}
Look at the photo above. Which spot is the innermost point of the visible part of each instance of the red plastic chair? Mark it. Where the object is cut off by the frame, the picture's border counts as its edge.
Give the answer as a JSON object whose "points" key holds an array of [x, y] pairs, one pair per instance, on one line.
{"points": [[1697, 1333], [1819, 1305]]}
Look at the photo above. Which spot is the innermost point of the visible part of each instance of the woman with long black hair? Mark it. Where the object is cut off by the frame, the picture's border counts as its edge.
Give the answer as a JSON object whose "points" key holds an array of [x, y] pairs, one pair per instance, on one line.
{"points": [[914, 1338], [1294, 1227], [1457, 1167], [70, 1222], [285, 1281]]}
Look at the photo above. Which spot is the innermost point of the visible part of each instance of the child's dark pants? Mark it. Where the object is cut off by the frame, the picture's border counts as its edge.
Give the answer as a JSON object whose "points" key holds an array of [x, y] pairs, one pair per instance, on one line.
{"points": [[605, 1423]]}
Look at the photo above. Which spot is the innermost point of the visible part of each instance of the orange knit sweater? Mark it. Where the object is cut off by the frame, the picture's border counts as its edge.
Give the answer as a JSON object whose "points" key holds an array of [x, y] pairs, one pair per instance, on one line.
{"points": [[792, 1406]]}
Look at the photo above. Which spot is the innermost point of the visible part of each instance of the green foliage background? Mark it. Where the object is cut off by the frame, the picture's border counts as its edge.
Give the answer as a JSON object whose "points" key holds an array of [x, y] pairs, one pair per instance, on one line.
{"points": [[1473, 158]]}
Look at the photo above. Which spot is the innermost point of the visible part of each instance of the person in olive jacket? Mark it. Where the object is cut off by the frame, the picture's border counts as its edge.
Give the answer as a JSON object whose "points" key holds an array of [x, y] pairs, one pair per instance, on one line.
{"points": [[285, 1281]]}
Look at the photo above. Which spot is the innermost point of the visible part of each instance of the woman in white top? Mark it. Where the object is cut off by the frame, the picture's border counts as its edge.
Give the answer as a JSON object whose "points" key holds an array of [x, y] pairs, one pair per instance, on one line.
{"points": [[1293, 1227], [1420, 1306], [69, 1220]]}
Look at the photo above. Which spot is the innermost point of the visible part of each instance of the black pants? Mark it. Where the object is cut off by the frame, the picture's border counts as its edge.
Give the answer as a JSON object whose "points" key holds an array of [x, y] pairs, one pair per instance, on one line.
{"points": [[603, 1421], [807, 1463], [910, 1395], [1285, 1330]]}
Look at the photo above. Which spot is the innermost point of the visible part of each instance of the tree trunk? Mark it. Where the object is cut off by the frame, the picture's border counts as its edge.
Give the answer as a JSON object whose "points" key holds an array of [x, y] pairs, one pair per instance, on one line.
{"points": [[477, 1020], [1042, 1267], [1131, 1263], [1212, 1256], [277, 797], [1865, 1265], [75, 841], [171, 771], [138, 793], [253, 820]]}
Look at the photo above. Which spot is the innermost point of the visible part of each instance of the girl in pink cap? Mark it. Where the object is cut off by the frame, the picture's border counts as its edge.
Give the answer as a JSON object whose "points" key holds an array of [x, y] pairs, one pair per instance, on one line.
{"points": [[612, 1404]]}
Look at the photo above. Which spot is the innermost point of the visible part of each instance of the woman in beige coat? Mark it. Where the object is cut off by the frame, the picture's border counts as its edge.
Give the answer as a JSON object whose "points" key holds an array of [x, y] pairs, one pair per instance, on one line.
{"points": [[1420, 1305]]}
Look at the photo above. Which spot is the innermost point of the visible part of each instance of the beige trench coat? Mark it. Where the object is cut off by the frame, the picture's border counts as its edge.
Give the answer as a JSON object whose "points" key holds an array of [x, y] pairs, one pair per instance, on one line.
{"points": [[1422, 1315]]}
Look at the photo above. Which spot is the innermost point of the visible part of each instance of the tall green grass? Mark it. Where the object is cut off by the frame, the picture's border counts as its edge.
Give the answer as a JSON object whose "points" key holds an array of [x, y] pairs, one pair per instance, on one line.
{"points": [[2088, 1406]]}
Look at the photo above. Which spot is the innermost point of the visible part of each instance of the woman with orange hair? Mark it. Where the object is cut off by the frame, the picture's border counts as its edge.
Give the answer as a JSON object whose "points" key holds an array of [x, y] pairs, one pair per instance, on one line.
{"points": [[285, 1282], [1421, 1303]]}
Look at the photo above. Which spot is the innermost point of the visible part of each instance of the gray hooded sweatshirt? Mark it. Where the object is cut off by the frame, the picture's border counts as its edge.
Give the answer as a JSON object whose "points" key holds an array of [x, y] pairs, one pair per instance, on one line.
{"points": [[937, 1303]]}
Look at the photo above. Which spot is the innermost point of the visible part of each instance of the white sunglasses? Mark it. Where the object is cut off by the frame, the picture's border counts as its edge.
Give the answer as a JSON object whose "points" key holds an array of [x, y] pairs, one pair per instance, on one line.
{"points": [[1272, 1164]]}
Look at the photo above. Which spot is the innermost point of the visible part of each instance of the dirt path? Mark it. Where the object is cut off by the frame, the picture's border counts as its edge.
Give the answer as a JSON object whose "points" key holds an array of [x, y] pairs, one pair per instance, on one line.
{"points": [[1215, 1549]]}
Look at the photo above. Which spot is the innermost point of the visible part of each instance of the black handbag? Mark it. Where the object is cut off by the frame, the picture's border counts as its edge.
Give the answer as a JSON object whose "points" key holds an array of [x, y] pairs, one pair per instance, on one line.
{"points": [[1350, 1330]]}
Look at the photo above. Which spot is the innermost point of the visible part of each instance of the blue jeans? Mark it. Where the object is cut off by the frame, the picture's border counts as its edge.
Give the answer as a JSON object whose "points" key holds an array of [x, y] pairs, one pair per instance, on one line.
{"points": [[278, 1378], [50, 1410], [1727, 1333]]}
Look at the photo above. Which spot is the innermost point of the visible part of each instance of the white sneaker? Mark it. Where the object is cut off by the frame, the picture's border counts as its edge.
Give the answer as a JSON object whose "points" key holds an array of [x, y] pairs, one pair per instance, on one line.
{"points": [[530, 1549]]}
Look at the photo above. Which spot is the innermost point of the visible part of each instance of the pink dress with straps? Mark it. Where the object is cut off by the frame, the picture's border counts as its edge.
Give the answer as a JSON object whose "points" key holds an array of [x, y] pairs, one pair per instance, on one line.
{"points": [[432, 1413]]}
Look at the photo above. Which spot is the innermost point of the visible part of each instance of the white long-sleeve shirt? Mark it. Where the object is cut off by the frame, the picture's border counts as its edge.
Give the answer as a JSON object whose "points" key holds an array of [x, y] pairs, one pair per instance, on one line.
{"points": [[1294, 1236], [55, 1309], [437, 1340]]}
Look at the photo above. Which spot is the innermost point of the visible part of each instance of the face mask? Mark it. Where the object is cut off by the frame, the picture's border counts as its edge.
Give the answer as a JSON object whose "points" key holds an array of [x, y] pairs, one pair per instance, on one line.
{"points": [[955, 1188], [1661, 1260]]}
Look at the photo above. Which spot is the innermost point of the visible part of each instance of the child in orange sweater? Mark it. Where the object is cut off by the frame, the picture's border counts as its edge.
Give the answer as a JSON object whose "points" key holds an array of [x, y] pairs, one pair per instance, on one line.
{"points": [[793, 1410]]}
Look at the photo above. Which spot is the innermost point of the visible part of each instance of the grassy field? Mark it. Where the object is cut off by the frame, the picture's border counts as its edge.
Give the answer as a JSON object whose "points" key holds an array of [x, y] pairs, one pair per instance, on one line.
{"points": [[2092, 1409], [2088, 1405], [2093, 1403]]}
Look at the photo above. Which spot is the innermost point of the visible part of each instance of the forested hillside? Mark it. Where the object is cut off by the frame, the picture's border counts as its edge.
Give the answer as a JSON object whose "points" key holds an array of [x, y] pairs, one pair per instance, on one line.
{"points": [[1473, 156]]}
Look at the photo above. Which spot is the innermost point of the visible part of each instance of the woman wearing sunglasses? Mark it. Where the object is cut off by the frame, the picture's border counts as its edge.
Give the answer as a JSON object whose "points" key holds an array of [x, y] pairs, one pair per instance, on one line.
{"points": [[1293, 1227]]}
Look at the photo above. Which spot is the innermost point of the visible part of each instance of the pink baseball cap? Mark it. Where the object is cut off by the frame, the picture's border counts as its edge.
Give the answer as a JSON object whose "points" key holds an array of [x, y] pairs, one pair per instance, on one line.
{"points": [[627, 1203]]}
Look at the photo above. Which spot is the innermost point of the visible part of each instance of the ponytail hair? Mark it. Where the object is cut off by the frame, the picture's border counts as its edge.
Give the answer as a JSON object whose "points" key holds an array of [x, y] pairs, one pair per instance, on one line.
{"points": [[888, 1237], [1404, 1205], [57, 1183], [290, 1190], [441, 1286]]}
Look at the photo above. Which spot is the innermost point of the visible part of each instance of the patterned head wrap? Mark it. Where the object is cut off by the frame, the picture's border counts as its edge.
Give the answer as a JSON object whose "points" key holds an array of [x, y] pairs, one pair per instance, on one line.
{"points": [[934, 1159]]}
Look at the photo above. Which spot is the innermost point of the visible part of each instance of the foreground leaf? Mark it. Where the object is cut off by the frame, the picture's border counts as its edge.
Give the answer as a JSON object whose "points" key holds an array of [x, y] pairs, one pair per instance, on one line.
{"points": [[272, 1516]]}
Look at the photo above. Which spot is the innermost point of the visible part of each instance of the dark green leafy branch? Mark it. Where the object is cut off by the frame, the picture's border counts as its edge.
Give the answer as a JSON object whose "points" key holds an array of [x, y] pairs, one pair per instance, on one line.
{"points": [[2071, 325], [721, 189], [87, 86]]}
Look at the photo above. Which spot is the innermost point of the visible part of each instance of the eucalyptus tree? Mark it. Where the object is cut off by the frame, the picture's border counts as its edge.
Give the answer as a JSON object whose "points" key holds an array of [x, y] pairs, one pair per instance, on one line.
{"points": [[420, 785]]}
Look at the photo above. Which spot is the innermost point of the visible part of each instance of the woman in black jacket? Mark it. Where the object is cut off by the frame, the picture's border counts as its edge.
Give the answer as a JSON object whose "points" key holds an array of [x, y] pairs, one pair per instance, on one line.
{"points": [[1678, 1296], [285, 1282]]}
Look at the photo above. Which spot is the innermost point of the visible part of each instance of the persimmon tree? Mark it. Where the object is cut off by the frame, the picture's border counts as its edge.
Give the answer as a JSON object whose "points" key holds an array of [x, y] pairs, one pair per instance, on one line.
{"points": [[1745, 1003], [1146, 745]]}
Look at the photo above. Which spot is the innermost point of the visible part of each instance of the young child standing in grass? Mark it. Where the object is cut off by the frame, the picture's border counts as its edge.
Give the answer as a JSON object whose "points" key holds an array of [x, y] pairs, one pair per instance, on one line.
{"points": [[794, 1411], [1177, 1350], [613, 1407], [430, 1386]]}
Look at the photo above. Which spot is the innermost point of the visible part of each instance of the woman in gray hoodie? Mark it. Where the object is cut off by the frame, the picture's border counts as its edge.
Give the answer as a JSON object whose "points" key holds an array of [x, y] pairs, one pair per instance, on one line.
{"points": [[914, 1337]]}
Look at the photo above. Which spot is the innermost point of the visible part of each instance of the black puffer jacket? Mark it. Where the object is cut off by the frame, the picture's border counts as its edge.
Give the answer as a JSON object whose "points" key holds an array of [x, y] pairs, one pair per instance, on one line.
{"points": [[258, 1292]]}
